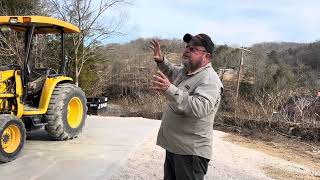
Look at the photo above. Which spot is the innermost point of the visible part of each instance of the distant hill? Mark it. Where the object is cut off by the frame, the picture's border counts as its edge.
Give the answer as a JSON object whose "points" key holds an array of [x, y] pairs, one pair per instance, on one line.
{"points": [[277, 46], [132, 62]]}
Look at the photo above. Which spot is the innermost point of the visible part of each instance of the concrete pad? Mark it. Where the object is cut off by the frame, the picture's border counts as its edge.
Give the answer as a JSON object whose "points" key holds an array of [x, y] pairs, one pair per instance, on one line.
{"points": [[96, 154]]}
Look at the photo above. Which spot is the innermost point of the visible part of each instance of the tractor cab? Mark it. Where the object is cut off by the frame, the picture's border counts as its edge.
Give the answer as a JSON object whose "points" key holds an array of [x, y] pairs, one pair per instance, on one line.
{"points": [[33, 97], [33, 78]]}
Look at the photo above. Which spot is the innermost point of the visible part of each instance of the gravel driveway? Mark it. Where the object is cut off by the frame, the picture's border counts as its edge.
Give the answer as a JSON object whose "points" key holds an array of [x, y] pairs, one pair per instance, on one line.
{"points": [[229, 161], [124, 149], [96, 154]]}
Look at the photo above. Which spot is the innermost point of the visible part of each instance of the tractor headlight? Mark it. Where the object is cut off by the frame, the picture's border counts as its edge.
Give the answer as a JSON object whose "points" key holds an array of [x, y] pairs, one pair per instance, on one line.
{"points": [[13, 20]]}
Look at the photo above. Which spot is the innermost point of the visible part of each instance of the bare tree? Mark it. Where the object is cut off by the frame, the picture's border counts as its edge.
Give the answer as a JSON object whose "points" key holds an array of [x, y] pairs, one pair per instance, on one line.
{"points": [[18, 7], [95, 26], [11, 42], [10, 49]]}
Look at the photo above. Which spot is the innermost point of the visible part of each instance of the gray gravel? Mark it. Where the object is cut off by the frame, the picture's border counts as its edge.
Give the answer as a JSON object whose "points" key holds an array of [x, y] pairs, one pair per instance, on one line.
{"points": [[229, 161], [96, 154], [124, 149]]}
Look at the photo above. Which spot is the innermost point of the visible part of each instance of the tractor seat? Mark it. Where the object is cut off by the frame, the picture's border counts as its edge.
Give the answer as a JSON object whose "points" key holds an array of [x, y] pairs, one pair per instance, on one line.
{"points": [[37, 79], [35, 87]]}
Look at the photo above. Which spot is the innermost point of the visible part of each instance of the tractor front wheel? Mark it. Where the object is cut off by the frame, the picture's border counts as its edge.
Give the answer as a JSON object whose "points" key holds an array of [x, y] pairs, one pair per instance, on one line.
{"points": [[13, 137], [66, 112]]}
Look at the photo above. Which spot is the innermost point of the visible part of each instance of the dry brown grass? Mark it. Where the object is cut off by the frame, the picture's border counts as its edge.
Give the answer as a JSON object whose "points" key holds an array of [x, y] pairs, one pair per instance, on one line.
{"points": [[270, 112], [147, 106]]}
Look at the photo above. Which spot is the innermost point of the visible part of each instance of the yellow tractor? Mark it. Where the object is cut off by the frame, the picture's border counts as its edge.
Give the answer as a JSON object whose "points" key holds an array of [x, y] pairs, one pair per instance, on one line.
{"points": [[31, 98]]}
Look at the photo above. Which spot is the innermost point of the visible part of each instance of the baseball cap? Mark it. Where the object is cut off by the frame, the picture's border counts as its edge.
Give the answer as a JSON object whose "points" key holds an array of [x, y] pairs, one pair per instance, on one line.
{"points": [[200, 40]]}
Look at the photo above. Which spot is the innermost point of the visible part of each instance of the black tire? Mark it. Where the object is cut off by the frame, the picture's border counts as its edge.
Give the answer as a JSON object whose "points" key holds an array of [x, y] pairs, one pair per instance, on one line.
{"points": [[60, 126], [12, 137]]}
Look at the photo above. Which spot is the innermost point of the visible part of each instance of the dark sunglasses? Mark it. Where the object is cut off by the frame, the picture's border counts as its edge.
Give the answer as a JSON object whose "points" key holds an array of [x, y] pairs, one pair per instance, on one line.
{"points": [[194, 49]]}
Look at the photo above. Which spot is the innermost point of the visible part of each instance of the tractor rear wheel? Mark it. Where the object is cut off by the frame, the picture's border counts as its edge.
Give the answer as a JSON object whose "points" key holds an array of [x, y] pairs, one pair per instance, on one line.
{"points": [[13, 137], [66, 112]]}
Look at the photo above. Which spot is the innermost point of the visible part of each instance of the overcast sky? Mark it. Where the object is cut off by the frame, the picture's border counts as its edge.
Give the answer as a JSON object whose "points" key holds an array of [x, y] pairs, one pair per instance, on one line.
{"points": [[241, 22]]}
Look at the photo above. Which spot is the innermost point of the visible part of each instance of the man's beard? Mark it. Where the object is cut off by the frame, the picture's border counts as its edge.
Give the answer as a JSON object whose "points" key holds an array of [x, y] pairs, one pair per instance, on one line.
{"points": [[190, 67], [186, 63]]}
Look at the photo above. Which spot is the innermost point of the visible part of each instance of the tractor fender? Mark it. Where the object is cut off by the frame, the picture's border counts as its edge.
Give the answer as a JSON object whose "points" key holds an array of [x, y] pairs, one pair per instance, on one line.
{"points": [[49, 85]]}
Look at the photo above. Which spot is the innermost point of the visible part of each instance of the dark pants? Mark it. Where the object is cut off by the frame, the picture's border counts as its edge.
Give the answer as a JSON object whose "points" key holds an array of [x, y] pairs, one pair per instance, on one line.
{"points": [[184, 167]]}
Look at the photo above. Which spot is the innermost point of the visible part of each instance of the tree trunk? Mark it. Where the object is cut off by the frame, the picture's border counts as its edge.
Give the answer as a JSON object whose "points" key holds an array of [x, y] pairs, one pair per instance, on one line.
{"points": [[76, 80]]}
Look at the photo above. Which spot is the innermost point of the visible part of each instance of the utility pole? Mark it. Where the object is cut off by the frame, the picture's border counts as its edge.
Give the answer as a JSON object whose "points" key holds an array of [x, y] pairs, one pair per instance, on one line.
{"points": [[240, 70]]}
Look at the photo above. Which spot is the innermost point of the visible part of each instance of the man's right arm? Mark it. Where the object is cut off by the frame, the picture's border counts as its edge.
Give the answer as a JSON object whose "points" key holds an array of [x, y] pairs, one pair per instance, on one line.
{"points": [[164, 65]]}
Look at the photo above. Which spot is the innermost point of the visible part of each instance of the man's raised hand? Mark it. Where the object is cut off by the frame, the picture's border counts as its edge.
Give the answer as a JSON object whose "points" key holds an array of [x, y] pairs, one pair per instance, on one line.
{"points": [[155, 46]]}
